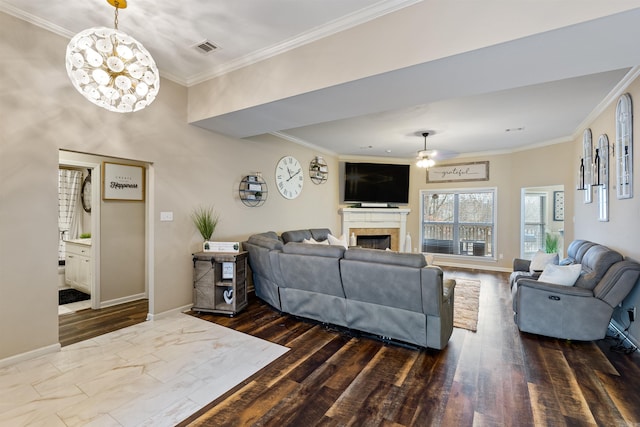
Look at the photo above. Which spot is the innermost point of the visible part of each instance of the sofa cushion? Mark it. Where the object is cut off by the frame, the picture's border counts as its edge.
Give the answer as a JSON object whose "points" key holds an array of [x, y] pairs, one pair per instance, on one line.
{"points": [[328, 251], [386, 257], [595, 263], [576, 251], [320, 234], [540, 260], [296, 235], [313, 241], [338, 241], [565, 275], [266, 241]]}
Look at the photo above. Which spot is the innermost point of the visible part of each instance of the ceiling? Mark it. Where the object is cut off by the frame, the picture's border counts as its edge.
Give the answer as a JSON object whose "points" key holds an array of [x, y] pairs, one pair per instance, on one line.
{"points": [[510, 95]]}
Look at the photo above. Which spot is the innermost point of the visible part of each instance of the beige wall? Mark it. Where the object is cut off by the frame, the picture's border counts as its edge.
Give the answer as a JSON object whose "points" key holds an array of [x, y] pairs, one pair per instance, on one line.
{"points": [[622, 231], [508, 173], [42, 113]]}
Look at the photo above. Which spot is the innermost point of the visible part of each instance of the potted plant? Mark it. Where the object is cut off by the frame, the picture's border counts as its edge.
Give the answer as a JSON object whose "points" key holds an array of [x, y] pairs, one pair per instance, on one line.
{"points": [[551, 243], [205, 220]]}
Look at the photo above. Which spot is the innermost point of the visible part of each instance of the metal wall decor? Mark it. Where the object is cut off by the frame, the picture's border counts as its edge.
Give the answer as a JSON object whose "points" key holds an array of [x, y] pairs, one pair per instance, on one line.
{"points": [[253, 190], [624, 148], [601, 178], [318, 170]]}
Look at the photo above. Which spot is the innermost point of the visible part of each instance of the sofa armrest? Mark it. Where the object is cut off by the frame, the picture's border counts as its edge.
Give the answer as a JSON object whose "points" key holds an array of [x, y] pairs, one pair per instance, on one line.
{"points": [[433, 290], [520, 264], [447, 289]]}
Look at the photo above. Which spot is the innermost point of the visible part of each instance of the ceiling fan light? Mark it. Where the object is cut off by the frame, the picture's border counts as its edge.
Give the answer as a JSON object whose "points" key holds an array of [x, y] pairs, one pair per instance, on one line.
{"points": [[424, 156]]}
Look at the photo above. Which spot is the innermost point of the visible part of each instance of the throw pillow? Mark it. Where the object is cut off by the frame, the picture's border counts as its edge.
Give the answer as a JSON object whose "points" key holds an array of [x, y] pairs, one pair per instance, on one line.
{"points": [[313, 241], [541, 260], [339, 241], [565, 275]]}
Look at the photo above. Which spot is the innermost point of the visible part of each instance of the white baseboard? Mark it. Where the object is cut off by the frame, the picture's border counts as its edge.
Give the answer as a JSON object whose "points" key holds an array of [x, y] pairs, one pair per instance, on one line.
{"points": [[182, 309], [30, 355], [122, 300]]}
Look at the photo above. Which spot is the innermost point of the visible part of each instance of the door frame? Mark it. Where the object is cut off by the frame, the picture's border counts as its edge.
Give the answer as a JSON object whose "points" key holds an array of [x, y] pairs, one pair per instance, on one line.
{"points": [[96, 179]]}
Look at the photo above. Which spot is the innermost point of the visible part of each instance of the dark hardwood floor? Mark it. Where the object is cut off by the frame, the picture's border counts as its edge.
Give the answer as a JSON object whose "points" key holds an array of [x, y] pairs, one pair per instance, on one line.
{"points": [[494, 377], [85, 324]]}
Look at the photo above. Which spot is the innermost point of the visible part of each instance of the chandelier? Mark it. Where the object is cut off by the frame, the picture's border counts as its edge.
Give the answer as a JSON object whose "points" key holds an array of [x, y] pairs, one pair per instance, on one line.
{"points": [[112, 69], [424, 159]]}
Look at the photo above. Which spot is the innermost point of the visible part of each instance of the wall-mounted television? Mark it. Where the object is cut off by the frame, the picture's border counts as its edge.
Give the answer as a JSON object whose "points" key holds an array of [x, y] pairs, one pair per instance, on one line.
{"points": [[376, 183]]}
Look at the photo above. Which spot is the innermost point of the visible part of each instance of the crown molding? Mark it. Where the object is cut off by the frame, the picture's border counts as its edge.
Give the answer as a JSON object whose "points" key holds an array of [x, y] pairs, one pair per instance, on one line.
{"points": [[341, 24], [32, 19], [302, 142], [612, 97]]}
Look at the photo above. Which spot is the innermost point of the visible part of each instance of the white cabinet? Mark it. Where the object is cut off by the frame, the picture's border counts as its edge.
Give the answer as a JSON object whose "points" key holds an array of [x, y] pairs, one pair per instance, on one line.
{"points": [[78, 265]]}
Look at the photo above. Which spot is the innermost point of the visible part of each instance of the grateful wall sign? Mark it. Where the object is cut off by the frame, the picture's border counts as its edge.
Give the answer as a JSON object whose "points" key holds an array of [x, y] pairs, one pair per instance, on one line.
{"points": [[459, 172]]}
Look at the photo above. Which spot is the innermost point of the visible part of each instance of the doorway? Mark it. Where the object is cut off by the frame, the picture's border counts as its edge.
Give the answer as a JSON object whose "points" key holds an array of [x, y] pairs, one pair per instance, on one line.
{"points": [[542, 220], [78, 231], [116, 237]]}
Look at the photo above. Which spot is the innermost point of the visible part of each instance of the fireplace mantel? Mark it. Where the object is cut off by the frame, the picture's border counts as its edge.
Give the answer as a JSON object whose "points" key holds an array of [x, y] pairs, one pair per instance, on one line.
{"points": [[375, 218]]}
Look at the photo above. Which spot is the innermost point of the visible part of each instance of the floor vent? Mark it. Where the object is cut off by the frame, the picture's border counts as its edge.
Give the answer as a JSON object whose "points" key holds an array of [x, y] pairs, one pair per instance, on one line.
{"points": [[206, 47]]}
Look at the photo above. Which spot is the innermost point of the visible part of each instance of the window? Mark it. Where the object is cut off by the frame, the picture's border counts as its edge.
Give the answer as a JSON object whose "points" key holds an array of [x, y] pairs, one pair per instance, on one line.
{"points": [[534, 223], [458, 222]]}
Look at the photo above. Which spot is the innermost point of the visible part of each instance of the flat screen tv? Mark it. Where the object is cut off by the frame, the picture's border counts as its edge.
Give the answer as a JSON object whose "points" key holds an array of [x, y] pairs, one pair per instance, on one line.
{"points": [[376, 183]]}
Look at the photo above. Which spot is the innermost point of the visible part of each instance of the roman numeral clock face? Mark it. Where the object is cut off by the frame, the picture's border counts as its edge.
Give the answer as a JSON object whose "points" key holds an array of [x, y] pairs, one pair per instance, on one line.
{"points": [[289, 177]]}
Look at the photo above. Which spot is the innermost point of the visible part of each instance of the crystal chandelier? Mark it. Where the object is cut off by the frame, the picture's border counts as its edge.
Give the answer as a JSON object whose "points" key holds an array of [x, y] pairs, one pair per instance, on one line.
{"points": [[424, 159], [112, 69]]}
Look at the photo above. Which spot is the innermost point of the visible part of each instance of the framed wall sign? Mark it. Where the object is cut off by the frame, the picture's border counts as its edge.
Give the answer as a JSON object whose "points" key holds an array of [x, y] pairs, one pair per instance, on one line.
{"points": [[459, 172], [558, 205], [122, 182]]}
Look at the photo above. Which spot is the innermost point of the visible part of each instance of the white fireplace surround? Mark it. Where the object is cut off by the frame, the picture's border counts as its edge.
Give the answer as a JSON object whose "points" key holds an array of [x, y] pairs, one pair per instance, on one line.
{"points": [[373, 218]]}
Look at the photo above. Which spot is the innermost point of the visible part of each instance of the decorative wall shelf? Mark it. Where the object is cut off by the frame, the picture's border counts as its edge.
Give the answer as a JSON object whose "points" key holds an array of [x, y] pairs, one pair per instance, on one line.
{"points": [[318, 170], [253, 190]]}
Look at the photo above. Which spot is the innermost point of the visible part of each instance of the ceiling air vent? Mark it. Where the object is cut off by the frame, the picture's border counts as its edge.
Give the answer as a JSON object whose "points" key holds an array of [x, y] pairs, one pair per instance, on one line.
{"points": [[205, 47]]}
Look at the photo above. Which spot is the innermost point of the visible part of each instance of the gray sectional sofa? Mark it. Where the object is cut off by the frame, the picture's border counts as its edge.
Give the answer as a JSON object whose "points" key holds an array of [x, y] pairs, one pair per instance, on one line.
{"points": [[388, 294]]}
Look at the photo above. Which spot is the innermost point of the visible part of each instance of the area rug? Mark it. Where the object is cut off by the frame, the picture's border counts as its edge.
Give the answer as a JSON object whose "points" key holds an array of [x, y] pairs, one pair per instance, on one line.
{"points": [[466, 303], [67, 296], [155, 373]]}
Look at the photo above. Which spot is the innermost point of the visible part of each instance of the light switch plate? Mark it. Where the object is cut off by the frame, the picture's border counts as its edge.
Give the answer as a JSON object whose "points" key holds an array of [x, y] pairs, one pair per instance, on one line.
{"points": [[166, 216]]}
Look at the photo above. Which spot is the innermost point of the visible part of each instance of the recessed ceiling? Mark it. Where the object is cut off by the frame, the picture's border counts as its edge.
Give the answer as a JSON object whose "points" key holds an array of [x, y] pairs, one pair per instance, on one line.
{"points": [[542, 87]]}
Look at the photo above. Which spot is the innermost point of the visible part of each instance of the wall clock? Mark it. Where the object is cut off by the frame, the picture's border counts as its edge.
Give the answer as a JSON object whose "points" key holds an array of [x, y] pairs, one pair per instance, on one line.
{"points": [[85, 193], [289, 177]]}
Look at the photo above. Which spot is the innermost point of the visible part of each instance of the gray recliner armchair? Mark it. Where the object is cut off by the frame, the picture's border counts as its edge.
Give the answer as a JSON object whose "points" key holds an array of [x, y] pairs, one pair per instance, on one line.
{"points": [[579, 312]]}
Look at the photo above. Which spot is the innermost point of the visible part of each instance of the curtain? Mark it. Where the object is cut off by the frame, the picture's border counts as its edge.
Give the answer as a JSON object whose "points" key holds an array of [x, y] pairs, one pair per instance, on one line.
{"points": [[69, 182]]}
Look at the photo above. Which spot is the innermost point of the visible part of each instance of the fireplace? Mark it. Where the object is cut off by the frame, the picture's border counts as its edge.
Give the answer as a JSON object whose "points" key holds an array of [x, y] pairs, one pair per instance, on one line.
{"points": [[365, 222], [374, 241]]}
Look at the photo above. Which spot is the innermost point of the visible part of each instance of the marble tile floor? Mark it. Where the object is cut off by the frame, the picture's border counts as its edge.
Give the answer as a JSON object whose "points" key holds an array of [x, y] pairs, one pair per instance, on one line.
{"points": [[155, 373], [73, 307]]}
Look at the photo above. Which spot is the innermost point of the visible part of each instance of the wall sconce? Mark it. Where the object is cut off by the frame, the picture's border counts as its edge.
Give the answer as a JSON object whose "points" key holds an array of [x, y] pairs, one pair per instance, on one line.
{"points": [[581, 185], [596, 169]]}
